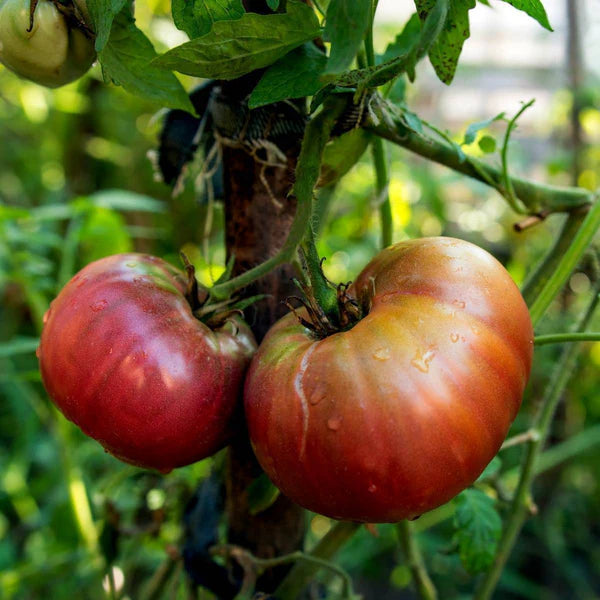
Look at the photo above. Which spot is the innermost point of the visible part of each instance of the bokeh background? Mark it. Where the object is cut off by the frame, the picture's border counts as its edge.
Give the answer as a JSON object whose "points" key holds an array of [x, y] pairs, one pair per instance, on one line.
{"points": [[77, 183]]}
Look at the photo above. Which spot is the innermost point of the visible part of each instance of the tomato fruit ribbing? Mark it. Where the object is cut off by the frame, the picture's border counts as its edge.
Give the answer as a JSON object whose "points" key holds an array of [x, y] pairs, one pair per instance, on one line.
{"points": [[124, 358], [398, 414]]}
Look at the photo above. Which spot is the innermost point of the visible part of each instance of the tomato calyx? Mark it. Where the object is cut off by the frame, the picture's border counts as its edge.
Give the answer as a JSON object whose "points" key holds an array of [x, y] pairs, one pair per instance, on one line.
{"points": [[214, 314], [323, 323], [72, 13]]}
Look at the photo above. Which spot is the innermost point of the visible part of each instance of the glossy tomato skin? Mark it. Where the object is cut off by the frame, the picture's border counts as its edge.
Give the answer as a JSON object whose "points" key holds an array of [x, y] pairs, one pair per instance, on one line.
{"points": [[397, 415], [123, 357], [53, 53]]}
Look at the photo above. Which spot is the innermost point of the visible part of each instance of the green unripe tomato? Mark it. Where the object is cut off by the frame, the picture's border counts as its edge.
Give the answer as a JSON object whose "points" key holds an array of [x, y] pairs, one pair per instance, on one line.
{"points": [[53, 53]]}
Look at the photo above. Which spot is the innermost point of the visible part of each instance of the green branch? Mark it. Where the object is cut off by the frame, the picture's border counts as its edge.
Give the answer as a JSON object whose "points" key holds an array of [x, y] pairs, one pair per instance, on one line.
{"points": [[579, 244], [541, 424], [423, 584], [385, 122], [316, 136], [561, 338], [303, 573]]}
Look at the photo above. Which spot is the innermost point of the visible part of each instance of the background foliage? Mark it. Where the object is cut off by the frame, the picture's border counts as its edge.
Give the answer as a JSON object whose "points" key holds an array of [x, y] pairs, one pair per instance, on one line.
{"points": [[76, 184]]}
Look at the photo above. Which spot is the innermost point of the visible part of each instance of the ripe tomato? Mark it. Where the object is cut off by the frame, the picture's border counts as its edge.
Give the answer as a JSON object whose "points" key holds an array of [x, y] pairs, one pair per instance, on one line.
{"points": [[123, 357], [53, 53], [397, 415]]}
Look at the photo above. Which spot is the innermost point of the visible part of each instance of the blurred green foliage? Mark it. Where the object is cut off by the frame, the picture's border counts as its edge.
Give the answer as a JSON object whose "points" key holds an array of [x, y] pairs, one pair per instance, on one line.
{"points": [[76, 184]]}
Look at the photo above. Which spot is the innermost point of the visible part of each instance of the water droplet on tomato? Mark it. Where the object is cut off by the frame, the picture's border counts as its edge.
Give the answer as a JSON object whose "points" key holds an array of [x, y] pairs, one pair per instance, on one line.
{"points": [[318, 395], [131, 265], [382, 354], [334, 423], [475, 329], [38, 351], [459, 303], [100, 305], [46, 316], [82, 282], [422, 359], [372, 488], [454, 337]]}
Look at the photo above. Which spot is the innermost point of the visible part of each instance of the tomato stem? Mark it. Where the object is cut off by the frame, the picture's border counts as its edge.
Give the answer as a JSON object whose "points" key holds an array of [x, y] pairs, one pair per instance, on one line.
{"points": [[423, 584], [541, 423]]}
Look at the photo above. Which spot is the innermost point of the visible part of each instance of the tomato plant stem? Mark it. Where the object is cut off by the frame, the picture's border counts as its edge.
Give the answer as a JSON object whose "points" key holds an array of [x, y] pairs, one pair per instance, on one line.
{"points": [[539, 277], [542, 423], [535, 196], [560, 338], [579, 244], [316, 135], [303, 572], [423, 584], [382, 191]]}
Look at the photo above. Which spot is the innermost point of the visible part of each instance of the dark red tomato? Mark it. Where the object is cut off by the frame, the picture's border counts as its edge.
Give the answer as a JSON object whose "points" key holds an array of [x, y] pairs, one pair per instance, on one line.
{"points": [[123, 357], [397, 415]]}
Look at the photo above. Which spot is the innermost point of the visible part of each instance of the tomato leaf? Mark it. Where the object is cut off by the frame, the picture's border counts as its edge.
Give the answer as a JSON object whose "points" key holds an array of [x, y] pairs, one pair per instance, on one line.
{"points": [[293, 76], [103, 13], [261, 494], [534, 8], [126, 61], [405, 40], [233, 48], [196, 17], [478, 529], [493, 467], [341, 154], [474, 128], [345, 27], [487, 144], [445, 50]]}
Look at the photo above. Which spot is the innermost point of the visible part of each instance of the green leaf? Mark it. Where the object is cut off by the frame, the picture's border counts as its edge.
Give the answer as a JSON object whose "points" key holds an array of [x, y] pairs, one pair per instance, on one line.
{"points": [[233, 48], [261, 494], [125, 200], [478, 529], [445, 50], [103, 13], [534, 8], [126, 61], [487, 144], [493, 468], [196, 17], [18, 345], [341, 154], [405, 40], [273, 4], [103, 233], [474, 128], [345, 27], [294, 76]]}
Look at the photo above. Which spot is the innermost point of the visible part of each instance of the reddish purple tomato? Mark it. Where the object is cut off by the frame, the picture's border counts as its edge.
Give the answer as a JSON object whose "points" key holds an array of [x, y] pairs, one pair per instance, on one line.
{"points": [[124, 358], [397, 415]]}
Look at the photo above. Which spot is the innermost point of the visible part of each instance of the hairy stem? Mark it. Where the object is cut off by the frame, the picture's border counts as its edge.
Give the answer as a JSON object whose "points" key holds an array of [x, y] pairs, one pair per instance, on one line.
{"points": [[536, 197], [423, 584], [541, 424], [302, 573]]}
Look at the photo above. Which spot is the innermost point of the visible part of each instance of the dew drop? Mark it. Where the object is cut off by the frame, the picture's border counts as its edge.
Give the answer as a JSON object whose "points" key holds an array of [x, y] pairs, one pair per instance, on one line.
{"points": [[422, 359], [459, 303], [82, 282], [100, 305], [333, 423], [318, 395], [46, 316], [382, 354], [454, 337], [138, 279], [475, 330], [372, 488], [38, 351], [131, 265]]}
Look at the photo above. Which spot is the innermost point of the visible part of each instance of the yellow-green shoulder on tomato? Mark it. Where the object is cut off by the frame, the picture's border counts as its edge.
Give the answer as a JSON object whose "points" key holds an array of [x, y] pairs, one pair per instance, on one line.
{"points": [[53, 53]]}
